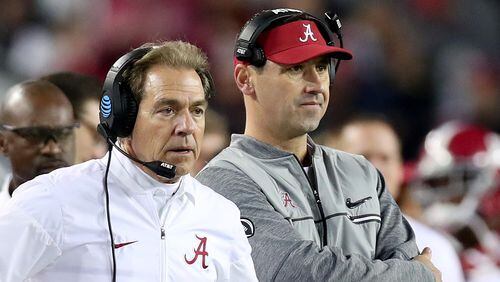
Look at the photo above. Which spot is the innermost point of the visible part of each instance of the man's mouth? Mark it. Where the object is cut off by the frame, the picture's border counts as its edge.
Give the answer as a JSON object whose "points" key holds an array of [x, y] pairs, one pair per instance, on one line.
{"points": [[182, 150], [310, 104]]}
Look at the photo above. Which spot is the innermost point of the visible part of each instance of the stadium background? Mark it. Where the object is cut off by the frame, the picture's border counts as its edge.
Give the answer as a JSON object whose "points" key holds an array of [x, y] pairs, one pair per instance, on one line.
{"points": [[419, 62]]}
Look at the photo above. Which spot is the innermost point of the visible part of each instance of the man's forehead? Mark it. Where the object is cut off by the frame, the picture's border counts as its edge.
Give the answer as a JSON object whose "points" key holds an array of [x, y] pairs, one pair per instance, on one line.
{"points": [[169, 78], [317, 60], [173, 83], [37, 112]]}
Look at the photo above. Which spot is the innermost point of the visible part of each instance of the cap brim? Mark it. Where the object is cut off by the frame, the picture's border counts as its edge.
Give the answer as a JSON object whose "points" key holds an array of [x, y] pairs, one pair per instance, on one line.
{"points": [[304, 53]]}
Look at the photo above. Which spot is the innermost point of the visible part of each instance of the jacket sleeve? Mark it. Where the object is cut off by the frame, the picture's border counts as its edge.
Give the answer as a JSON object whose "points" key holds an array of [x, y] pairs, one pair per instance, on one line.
{"points": [[26, 247], [242, 268], [395, 237], [280, 254]]}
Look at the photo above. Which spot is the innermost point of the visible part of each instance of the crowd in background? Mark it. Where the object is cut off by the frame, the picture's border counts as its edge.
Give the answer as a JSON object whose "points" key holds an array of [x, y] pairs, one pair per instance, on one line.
{"points": [[418, 63]]}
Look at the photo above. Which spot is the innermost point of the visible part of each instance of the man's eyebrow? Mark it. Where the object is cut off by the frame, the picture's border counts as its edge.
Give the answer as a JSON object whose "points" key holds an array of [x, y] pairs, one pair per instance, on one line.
{"points": [[175, 102], [324, 60], [165, 101], [201, 102]]}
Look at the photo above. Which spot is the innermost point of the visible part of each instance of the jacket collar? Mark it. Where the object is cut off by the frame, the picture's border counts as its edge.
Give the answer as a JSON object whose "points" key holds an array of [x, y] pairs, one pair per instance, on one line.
{"points": [[136, 181], [263, 150]]}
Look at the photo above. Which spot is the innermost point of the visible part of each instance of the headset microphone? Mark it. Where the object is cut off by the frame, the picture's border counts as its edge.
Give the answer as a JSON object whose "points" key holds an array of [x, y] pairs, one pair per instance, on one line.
{"points": [[160, 168]]}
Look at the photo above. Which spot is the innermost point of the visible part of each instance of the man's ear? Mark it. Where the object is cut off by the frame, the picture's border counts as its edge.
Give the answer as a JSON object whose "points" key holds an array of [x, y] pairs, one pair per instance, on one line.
{"points": [[242, 77]]}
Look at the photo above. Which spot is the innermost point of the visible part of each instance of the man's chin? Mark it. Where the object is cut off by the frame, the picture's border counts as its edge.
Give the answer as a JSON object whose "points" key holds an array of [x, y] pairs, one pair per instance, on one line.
{"points": [[48, 169], [310, 126], [182, 169]]}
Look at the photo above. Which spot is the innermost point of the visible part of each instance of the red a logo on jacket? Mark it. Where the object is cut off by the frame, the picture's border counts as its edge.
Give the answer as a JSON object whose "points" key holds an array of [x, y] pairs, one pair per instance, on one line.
{"points": [[200, 251]]}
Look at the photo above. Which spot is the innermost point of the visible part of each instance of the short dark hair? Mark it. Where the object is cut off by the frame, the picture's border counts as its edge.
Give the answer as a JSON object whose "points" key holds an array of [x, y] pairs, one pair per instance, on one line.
{"points": [[79, 88]]}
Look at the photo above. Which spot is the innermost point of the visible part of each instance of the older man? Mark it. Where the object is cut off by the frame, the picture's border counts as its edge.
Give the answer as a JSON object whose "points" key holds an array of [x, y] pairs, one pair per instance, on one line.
{"points": [[136, 214]]}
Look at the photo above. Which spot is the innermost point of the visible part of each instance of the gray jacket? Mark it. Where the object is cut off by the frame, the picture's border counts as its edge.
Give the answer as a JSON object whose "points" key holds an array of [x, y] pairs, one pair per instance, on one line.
{"points": [[335, 223]]}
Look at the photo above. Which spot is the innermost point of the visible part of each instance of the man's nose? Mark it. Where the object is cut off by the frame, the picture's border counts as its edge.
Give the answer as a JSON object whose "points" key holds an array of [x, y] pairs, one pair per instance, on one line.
{"points": [[51, 147], [314, 80], [185, 124]]}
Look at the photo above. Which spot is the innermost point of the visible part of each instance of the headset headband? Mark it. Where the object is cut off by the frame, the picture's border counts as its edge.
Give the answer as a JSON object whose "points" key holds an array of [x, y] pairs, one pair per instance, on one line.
{"points": [[247, 49], [115, 78]]}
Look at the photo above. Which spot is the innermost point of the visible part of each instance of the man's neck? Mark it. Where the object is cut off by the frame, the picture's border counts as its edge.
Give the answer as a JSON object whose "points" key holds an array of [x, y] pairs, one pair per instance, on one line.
{"points": [[296, 145], [14, 183]]}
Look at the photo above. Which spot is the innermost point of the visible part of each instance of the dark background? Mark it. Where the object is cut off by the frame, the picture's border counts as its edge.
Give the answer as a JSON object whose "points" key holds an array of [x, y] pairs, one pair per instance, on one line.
{"points": [[418, 62]]}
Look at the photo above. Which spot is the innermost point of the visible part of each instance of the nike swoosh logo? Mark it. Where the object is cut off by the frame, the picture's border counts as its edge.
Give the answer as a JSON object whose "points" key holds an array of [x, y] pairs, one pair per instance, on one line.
{"points": [[119, 245], [352, 205]]}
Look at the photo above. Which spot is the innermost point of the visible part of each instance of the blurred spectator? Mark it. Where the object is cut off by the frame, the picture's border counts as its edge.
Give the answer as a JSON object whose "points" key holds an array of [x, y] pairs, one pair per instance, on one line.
{"points": [[389, 72], [376, 139], [83, 92], [36, 132], [419, 62], [457, 180], [216, 138], [469, 87]]}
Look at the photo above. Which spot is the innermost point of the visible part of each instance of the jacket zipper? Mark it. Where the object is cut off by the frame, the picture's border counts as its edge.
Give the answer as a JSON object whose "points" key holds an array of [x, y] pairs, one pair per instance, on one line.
{"points": [[317, 199], [163, 259], [163, 218], [163, 242]]}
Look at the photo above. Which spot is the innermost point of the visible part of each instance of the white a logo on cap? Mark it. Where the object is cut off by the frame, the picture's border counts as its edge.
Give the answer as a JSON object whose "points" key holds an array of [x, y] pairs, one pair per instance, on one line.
{"points": [[308, 34]]}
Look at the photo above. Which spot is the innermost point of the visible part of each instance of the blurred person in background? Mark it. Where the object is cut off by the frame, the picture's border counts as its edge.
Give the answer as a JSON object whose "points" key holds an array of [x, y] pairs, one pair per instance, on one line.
{"points": [[457, 181], [422, 56], [375, 138], [215, 139], [469, 86], [84, 92], [36, 132]]}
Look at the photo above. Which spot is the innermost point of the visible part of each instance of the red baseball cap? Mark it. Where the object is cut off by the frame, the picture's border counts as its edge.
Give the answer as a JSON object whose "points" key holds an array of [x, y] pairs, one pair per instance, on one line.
{"points": [[297, 42]]}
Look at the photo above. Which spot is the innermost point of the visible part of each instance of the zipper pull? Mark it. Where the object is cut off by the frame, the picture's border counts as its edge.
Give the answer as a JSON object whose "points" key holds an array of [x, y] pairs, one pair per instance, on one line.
{"points": [[162, 233]]}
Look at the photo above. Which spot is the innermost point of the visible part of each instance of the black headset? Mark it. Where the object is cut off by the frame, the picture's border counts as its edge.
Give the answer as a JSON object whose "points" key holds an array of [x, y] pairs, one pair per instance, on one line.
{"points": [[118, 109], [248, 50]]}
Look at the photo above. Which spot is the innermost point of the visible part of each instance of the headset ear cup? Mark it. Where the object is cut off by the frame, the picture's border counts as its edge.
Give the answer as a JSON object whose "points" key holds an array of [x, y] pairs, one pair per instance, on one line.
{"points": [[259, 57], [331, 70], [130, 109]]}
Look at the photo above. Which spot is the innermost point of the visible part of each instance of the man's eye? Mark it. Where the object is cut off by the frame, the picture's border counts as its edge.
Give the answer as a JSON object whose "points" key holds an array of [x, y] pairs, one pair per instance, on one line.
{"points": [[65, 133], [295, 69], [322, 67], [168, 110], [198, 111]]}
